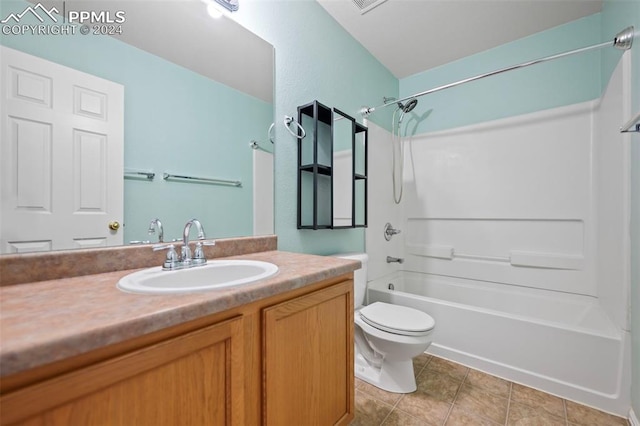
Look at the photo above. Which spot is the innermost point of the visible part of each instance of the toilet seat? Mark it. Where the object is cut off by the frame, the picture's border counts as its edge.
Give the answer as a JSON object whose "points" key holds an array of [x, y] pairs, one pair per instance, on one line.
{"points": [[397, 319]]}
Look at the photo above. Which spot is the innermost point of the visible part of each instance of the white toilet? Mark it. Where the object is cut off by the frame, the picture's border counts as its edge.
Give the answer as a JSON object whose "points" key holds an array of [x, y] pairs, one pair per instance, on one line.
{"points": [[387, 337]]}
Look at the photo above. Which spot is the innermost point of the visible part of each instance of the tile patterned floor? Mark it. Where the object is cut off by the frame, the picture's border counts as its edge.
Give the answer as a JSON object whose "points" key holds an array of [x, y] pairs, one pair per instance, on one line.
{"points": [[454, 395]]}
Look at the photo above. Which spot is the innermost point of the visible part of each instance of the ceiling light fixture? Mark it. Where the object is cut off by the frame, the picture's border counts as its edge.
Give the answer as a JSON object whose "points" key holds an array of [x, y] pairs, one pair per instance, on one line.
{"points": [[230, 5], [217, 8]]}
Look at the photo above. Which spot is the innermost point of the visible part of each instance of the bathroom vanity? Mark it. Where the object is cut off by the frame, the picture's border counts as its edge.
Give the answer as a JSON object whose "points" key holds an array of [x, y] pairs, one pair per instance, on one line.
{"points": [[276, 352]]}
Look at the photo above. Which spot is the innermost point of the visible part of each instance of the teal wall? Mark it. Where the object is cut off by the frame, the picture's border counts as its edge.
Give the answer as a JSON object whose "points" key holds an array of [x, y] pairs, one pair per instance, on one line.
{"points": [[547, 85], [175, 120], [315, 59]]}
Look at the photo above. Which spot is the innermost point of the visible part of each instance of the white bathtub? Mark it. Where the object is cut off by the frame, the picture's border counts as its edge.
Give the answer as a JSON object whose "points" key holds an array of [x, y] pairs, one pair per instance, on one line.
{"points": [[561, 343]]}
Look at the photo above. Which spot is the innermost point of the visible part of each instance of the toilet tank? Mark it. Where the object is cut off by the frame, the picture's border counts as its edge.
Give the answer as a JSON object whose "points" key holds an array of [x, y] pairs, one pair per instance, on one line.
{"points": [[359, 276]]}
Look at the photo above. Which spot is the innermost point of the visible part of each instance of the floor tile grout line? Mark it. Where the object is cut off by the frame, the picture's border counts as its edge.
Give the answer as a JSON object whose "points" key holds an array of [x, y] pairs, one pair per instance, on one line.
{"points": [[464, 382], [506, 420], [403, 412], [386, 417], [395, 407], [508, 397], [375, 398], [455, 397]]}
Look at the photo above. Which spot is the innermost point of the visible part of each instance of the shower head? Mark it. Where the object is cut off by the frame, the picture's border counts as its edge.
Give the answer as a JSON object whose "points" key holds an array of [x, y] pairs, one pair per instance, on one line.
{"points": [[409, 106]]}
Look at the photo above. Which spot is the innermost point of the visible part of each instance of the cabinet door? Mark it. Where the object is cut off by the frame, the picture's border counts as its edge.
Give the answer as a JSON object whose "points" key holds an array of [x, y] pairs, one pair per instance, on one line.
{"points": [[194, 379], [308, 359]]}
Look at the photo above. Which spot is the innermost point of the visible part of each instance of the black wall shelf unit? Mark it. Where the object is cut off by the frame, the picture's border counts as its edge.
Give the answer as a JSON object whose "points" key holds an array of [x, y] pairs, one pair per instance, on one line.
{"points": [[318, 188]]}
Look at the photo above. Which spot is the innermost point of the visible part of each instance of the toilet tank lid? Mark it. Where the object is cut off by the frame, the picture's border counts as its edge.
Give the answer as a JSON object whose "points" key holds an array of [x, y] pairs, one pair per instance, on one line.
{"points": [[362, 257]]}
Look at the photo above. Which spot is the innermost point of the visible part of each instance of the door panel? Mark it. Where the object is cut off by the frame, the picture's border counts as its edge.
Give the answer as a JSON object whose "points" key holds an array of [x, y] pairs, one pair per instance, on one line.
{"points": [[306, 343], [62, 156]]}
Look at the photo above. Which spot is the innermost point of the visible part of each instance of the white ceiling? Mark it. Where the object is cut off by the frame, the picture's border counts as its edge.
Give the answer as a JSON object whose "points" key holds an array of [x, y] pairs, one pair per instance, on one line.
{"points": [[182, 32], [410, 36]]}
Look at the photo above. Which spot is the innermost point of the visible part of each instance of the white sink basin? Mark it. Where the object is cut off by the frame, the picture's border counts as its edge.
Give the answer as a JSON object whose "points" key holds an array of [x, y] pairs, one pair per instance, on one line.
{"points": [[215, 274]]}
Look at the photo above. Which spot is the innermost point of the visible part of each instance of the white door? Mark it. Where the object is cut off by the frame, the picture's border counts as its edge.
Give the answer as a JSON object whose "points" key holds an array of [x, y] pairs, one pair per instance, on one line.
{"points": [[62, 137]]}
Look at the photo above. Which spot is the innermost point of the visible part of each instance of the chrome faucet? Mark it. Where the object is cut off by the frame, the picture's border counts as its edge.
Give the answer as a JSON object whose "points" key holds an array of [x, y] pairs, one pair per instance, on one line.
{"points": [[155, 223], [394, 259], [186, 260], [198, 257], [390, 231]]}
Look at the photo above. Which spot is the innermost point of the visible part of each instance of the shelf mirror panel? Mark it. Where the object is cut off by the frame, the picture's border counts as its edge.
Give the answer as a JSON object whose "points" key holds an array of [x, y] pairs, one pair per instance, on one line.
{"points": [[342, 169]]}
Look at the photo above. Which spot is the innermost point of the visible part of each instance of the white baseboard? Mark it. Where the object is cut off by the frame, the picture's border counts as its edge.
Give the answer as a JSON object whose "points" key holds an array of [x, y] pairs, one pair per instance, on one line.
{"points": [[633, 419]]}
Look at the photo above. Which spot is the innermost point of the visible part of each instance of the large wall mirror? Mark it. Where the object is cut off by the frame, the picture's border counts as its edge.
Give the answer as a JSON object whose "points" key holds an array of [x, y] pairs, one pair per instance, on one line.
{"points": [[194, 93]]}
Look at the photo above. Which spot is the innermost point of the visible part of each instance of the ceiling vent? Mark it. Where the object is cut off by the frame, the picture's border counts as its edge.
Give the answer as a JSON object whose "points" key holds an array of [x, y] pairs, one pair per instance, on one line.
{"points": [[366, 5]]}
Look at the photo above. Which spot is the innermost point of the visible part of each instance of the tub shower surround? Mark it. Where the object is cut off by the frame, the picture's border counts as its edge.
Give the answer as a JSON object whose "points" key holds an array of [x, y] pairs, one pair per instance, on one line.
{"points": [[515, 239]]}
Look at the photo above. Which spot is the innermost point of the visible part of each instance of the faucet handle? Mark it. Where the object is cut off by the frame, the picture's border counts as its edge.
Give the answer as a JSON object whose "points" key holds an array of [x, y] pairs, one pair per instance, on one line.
{"points": [[198, 255], [390, 231], [171, 261]]}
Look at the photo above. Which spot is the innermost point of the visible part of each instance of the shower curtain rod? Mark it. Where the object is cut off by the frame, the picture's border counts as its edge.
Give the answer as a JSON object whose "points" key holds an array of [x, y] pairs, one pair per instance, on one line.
{"points": [[623, 41]]}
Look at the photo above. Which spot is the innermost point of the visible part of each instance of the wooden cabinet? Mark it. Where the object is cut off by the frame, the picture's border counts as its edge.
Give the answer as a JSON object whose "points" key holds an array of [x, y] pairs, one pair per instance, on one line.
{"points": [[194, 379], [305, 344], [283, 360]]}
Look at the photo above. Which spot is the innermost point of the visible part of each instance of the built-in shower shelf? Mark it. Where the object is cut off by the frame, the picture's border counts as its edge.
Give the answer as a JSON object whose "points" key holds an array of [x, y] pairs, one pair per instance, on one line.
{"points": [[546, 260], [517, 258]]}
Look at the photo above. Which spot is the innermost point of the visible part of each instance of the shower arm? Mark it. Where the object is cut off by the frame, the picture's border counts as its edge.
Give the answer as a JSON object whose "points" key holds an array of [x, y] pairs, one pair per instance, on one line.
{"points": [[623, 41]]}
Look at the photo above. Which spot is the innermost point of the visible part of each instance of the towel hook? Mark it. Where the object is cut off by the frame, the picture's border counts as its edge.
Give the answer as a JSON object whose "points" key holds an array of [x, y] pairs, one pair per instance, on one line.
{"points": [[287, 122], [269, 132]]}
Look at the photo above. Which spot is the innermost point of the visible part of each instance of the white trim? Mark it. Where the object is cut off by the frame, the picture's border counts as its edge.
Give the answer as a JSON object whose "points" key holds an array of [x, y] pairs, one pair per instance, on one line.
{"points": [[626, 151], [633, 419]]}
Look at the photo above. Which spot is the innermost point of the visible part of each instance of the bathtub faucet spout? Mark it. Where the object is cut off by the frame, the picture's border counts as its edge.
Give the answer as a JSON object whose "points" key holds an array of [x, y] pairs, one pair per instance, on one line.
{"points": [[394, 259]]}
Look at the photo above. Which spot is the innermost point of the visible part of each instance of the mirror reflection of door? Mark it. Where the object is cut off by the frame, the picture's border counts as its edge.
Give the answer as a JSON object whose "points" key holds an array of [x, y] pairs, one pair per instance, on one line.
{"points": [[62, 157]]}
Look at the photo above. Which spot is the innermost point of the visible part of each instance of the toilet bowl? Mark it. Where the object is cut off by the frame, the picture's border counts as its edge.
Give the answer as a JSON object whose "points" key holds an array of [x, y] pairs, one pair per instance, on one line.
{"points": [[387, 337]]}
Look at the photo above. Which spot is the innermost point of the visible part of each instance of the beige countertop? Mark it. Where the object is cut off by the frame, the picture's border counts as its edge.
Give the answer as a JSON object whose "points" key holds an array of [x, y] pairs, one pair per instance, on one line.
{"points": [[47, 321]]}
